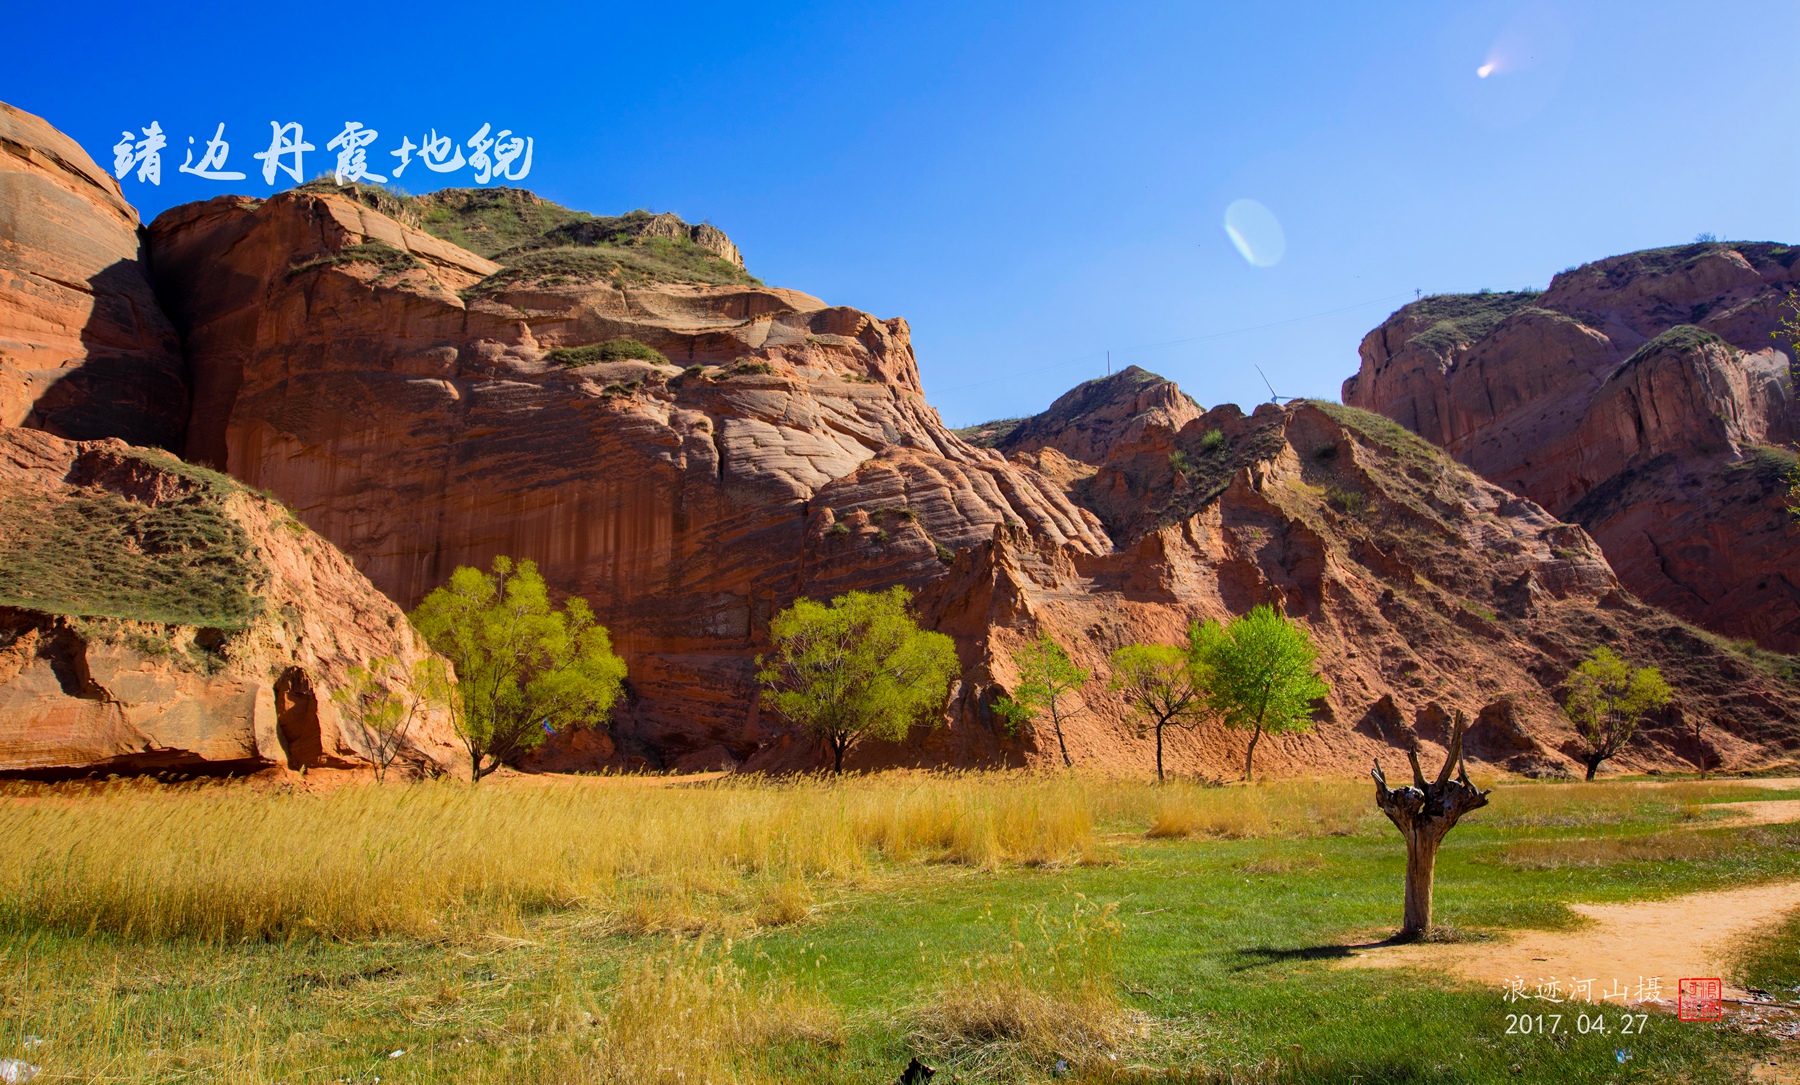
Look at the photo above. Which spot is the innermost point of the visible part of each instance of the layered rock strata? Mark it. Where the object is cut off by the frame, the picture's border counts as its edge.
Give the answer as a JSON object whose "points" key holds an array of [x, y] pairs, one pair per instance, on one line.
{"points": [[1641, 396], [85, 350]]}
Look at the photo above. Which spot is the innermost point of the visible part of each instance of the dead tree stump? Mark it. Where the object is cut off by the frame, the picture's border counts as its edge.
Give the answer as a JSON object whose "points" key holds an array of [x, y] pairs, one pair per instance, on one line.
{"points": [[1423, 813]]}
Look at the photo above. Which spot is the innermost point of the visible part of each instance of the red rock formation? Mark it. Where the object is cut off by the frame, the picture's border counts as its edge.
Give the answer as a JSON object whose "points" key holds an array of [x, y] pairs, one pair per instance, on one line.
{"points": [[1637, 396], [88, 683], [85, 351], [1427, 588], [423, 407], [424, 410], [1089, 419], [773, 456]]}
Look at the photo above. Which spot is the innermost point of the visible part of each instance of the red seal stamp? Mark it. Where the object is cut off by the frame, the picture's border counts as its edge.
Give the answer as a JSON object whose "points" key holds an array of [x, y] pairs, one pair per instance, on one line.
{"points": [[1700, 1000]]}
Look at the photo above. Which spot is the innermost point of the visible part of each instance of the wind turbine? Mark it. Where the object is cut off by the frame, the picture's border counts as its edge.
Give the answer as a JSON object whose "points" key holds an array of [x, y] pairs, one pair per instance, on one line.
{"points": [[1273, 398]]}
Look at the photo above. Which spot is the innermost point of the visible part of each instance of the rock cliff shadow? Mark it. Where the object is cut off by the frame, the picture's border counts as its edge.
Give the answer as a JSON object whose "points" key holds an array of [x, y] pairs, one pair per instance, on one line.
{"points": [[132, 382]]}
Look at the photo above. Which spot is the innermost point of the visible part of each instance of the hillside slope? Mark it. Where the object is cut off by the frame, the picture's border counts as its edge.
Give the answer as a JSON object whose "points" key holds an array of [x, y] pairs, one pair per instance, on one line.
{"points": [[159, 617], [1429, 590]]}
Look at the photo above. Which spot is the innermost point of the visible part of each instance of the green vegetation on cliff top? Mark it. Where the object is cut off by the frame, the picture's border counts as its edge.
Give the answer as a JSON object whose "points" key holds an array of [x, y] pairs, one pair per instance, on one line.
{"points": [[1453, 320], [96, 553], [540, 242]]}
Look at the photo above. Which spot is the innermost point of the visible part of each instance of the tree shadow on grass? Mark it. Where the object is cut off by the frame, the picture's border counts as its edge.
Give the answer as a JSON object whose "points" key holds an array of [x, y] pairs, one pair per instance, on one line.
{"points": [[1243, 960]]}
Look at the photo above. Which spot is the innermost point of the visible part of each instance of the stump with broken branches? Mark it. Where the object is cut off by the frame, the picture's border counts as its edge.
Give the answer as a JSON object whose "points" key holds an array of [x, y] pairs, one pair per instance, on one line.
{"points": [[1424, 813]]}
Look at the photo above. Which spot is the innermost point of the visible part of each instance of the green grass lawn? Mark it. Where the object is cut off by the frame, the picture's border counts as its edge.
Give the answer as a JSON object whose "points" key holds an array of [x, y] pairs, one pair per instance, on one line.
{"points": [[1224, 957]]}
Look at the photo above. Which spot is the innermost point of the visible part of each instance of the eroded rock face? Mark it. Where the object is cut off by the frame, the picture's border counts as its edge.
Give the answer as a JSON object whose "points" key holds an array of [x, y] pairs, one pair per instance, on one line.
{"points": [[85, 351], [1641, 396], [784, 448], [92, 681]]}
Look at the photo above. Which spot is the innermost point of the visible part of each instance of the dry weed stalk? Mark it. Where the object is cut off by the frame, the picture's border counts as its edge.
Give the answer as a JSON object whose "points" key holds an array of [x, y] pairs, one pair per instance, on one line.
{"points": [[1048, 996]]}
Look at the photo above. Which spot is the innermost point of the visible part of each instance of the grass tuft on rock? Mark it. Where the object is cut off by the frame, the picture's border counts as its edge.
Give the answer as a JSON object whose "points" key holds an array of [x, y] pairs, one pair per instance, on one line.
{"points": [[613, 350], [94, 553]]}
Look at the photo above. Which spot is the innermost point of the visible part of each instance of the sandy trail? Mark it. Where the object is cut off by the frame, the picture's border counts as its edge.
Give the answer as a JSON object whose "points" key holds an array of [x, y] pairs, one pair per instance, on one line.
{"points": [[1760, 812], [1665, 940]]}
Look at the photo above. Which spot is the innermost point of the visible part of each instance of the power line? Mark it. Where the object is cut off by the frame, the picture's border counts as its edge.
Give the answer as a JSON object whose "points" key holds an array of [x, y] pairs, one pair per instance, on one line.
{"points": [[1170, 343]]}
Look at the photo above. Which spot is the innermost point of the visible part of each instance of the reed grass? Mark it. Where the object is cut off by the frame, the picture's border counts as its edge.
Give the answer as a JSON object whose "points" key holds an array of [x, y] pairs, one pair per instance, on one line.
{"points": [[228, 862]]}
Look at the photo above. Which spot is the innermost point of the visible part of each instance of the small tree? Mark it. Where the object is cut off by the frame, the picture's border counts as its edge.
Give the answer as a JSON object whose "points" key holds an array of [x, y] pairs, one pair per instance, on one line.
{"points": [[383, 706], [1158, 682], [1257, 674], [1608, 698], [1048, 679], [523, 668], [857, 668], [1697, 727], [1424, 813]]}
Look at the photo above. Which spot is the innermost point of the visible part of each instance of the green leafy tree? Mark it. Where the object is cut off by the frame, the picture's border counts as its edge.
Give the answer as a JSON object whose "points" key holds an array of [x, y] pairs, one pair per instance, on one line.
{"points": [[1608, 698], [523, 668], [857, 668], [1048, 682], [383, 704], [1257, 674], [1158, 683]]}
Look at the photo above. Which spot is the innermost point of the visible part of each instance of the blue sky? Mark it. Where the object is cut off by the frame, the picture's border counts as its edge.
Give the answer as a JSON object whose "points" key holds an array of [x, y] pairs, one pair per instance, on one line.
{"points": [[1029, 185]]}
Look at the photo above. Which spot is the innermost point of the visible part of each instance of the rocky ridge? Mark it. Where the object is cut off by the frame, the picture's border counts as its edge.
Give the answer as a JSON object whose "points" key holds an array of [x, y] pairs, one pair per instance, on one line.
{"points": [[1088, 420], [1428, 589], [1641, 396]]}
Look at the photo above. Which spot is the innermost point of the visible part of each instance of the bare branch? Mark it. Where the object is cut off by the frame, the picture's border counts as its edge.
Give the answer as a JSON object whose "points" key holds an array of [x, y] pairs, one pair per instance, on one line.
{"points": [[1454, 753]]}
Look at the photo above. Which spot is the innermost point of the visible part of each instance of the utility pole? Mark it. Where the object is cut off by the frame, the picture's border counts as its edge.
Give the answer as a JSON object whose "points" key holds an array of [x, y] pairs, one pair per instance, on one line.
{"points": [[1109, 363]]}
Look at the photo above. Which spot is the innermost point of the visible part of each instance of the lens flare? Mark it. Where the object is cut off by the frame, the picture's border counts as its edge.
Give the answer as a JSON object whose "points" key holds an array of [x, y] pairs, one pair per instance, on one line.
{"points": [[1255, 232], [1485, 70]]}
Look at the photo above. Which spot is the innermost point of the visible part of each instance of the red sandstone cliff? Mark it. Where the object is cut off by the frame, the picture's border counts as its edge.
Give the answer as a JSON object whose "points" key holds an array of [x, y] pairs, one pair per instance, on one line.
{"points": [[416, 415], [1640, 396], [85, 351]]}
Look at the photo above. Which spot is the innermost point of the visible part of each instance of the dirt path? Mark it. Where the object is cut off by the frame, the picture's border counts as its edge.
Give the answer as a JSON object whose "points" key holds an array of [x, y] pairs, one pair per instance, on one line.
{"points": [[1665, 940], [1760, 812]]}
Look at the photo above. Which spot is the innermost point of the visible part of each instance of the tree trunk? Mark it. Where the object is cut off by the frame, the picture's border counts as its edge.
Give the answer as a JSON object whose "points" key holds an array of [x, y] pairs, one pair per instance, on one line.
{"points": [[1424, 813], [1056, 722], [837, 757], [1421, 864], [1159, 772], [1250, 754], [1593, 766]]}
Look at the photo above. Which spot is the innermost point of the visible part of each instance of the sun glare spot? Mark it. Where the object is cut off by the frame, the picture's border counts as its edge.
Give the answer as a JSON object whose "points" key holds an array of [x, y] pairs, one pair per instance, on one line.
{"points": [[1485, 70], [1255, 232]]}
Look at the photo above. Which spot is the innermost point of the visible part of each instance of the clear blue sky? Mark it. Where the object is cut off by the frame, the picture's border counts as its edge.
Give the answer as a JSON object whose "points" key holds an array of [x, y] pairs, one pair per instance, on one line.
{"points": [[1030, 185]]}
